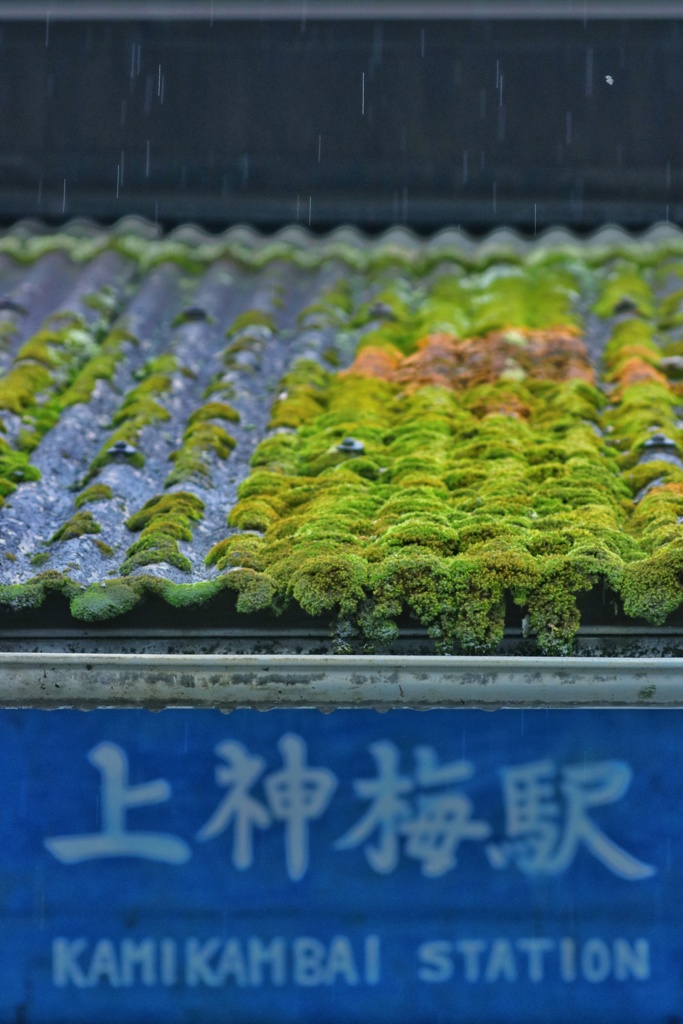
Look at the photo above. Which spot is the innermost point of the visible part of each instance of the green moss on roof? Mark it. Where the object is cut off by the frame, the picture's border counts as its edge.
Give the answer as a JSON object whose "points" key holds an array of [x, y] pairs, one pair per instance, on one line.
{"points": [[251, 318], [20, 387], [214, 411], [20, 597], [192, 461], [162, 522], [104, 600], [76, 526], [628, 289], [138, 409], [466, 495], [493, 464], [96, 492]]}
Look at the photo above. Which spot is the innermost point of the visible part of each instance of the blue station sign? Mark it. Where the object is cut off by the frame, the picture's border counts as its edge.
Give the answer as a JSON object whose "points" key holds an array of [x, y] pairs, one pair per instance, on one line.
{"points": [[442, 866]]}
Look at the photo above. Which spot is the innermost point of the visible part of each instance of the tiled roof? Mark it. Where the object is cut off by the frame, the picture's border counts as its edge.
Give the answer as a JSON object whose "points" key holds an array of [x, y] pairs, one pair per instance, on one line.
{"points": [[361, 431]]}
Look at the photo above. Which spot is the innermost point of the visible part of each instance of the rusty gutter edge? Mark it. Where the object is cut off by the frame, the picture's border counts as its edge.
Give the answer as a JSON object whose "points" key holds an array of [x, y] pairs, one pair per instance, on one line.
{"points": [[328, 682]]}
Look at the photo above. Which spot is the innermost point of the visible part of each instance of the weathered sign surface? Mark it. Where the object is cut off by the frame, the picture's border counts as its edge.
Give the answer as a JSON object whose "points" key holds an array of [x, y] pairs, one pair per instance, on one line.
{"points": [[450, 866]]}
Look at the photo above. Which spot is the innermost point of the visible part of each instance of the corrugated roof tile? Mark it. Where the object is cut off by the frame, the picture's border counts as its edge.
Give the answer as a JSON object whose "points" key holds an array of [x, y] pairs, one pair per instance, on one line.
{"points": [[359, 429]]}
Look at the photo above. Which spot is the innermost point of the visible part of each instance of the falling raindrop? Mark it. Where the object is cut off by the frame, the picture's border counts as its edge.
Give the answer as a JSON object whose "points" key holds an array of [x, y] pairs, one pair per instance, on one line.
{"points": [[64, 198], [362, 101]]}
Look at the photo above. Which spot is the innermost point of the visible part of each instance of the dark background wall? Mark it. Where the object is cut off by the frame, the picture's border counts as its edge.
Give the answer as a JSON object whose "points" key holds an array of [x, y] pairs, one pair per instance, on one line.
{"points": [[425, 123]]}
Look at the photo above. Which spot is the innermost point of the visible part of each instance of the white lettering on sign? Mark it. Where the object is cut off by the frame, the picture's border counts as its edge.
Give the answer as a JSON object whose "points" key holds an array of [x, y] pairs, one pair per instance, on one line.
{"points": [[267, 961], [251, 962], [117, 797], [308, 961], [433, 834], [296, 795], [545, 833], [534, 959], [138, 962], [424, 815]]}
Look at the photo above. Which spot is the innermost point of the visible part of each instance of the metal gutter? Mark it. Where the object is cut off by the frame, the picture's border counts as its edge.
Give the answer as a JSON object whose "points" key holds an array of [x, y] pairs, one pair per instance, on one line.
{"points": [[328, 682], [310, 10]]}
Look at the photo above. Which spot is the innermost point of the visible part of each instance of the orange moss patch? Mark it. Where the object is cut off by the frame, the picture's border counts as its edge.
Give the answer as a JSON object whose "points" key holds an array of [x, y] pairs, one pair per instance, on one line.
{"points": [[675, 489], [559, 354], [374, 362], [442, 360], [636, 370], [438, 361]]}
